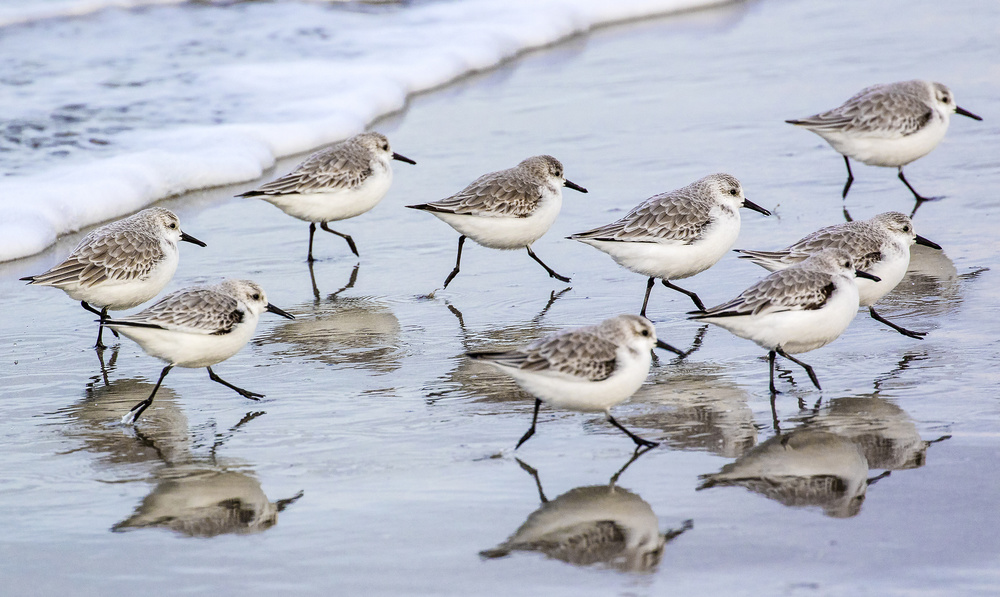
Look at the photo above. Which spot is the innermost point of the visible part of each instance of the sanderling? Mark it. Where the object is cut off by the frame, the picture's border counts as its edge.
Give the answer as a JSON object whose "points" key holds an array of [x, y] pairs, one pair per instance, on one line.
{"points": [[879, 246], [339, 182], [197, 327], [676, 235], [888, 125], [120, 265], [802, 468], [794, 310], [599, 524], [509, 209], [588, 369]]}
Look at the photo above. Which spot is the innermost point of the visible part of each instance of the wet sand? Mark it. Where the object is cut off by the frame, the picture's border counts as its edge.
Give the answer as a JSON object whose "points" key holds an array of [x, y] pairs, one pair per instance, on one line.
{"points": [[403, 450]]}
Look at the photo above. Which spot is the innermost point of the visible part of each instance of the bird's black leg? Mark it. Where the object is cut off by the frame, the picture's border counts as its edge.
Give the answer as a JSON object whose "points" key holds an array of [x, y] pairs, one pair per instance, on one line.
{"points": [[552, 273], [534, 420], [645, 301], [312, 233], [850, 178], [103, 314], [240, 391], [770, 376], [347, 237], [140, 407], [809, 370], [694, 297], [916, 195], [458, 262], [638, 440], [898, 328]]}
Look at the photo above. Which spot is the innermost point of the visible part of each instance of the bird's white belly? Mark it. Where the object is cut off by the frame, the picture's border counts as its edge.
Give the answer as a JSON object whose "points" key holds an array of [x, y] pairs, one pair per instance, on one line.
{"points": [[797, 331], [672, 260], [888, 151], [506, 232], [890, 270], [585, 396], [117, 295], [333, 205], [191, 350]]}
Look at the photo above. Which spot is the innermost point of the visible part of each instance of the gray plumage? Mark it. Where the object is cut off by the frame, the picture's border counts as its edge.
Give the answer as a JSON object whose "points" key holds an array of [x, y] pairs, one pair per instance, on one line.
{"points": [[896, 108], [127, 249], [585, 352], [201, 309], [344, 165], [680, 215], [806, 285], [513, 193]]}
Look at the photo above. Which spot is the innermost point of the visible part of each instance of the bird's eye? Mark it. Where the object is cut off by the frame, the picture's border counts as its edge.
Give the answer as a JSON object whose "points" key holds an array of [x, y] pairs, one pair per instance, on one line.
{"points": [[255, 296], [906, 228], [847, 264], [645, 332], [733, 192], [385, 147], [173, 225]]}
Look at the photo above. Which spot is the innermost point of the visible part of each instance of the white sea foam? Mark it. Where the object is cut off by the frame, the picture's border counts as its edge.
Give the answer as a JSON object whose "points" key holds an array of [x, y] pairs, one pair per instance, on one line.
{"points": [[225, 118]]}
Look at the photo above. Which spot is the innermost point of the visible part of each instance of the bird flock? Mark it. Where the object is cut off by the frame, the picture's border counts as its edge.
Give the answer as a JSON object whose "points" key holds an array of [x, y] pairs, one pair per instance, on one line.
{"points": [[812, 293]]}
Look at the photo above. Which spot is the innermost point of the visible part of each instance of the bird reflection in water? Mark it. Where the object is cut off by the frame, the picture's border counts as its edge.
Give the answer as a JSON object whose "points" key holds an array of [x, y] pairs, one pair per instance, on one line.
{"points": [[200, 501], [360, 332], [886, 433], [702, 410], [802, 468], [195, 493], [595, 525]]}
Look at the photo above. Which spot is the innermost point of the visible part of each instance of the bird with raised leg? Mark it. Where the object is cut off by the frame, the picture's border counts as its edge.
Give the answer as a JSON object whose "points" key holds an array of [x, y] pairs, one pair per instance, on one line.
{"points": [[507, 210], [879, 246], [339, 182], [794, 310], [120, 265], [675, 235], [197, 327], [588, 369], [889, 125]]}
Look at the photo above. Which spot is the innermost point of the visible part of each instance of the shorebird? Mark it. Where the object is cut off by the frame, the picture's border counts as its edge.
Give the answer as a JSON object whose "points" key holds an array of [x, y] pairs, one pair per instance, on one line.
{"points": [[588, 369], [890, 125], [879, 246], [675, 235], [507, 210], [120, 265], [336, 183], [197, 327]]}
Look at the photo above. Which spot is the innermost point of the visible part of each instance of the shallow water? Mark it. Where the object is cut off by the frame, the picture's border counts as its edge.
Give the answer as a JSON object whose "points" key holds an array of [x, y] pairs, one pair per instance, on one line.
{"points": [[403, 450]]}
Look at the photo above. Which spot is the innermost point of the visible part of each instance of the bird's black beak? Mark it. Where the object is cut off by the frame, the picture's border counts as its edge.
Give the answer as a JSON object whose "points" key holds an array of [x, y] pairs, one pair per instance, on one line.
{"points": [[927, 243], [402, 158], [194, 241], [751, 205], [862, 274], [665, 346], [278, 311], [965, 112], [574, 186]]}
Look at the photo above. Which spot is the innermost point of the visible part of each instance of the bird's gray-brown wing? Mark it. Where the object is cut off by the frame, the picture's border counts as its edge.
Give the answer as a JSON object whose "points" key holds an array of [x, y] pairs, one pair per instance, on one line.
{"points": [[857, 238], [880, 110], [577, 353], [340, 167], [678, 216], [119, 255], [792, 289], [504, 194], [193, 310]]}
